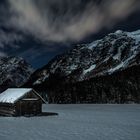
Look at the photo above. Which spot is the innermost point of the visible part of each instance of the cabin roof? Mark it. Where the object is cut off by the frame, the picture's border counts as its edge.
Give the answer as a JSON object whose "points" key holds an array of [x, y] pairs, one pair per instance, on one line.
{"points": [[12, 95]]}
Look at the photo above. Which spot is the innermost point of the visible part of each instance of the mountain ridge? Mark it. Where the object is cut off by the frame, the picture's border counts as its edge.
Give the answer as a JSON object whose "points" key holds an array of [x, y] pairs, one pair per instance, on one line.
{"points": [[14, 72], [104, 71], [116, 51]]}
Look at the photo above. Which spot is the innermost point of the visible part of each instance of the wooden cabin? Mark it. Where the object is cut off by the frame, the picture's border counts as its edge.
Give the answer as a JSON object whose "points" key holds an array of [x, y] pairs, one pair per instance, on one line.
{"points": [[20, 102]]}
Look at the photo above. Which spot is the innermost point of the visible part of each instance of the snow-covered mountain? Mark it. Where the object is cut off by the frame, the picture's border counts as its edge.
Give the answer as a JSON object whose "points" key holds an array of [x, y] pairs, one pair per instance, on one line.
{"points": [[14, 72], [115, 52], [104, 71]]}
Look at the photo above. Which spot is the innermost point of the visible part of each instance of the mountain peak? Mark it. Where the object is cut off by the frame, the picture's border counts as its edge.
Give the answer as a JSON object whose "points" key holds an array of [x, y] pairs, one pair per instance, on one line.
{"points": [[14, 71], [119, 32]]}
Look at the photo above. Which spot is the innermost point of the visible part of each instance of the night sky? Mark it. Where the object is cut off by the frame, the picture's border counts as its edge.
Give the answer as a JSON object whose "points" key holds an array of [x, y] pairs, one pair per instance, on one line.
{"points": [[40, 29]]}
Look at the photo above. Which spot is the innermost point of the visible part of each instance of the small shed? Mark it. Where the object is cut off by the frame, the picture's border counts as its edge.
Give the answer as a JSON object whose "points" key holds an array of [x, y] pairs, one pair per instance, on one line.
{"points": [[20, 102]]}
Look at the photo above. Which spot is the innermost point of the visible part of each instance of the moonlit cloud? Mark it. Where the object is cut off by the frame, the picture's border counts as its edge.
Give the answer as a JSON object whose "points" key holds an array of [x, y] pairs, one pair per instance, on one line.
{"points": [[9, 38], [66, 20]]}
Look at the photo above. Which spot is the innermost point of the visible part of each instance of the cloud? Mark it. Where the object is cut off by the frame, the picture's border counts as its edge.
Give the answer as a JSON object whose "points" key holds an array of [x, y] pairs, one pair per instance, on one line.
{"points": [[2, 54], [9, 38], [8, 42], [63, 20]]}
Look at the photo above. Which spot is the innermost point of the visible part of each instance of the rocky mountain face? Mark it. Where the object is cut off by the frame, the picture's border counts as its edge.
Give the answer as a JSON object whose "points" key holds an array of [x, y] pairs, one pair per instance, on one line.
{"points": [[14, 72], [115, 53]]}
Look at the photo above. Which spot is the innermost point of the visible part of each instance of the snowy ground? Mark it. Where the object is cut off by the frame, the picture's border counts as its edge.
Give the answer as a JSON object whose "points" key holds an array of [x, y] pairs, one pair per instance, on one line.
{"points": [[76, 122]]}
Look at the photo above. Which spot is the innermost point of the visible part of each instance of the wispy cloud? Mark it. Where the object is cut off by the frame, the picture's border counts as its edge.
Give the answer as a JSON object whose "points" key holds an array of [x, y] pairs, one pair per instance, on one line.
{"points": [[59, 21], [8, 41], [9, 38]]}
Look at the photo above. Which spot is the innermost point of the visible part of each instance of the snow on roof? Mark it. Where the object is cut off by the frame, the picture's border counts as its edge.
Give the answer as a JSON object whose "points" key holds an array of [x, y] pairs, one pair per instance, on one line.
{"points": [[11, 95]]}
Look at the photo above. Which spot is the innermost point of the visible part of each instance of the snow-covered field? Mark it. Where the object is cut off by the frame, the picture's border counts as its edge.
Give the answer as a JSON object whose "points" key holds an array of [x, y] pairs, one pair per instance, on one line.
{"points": [[76, 122]]}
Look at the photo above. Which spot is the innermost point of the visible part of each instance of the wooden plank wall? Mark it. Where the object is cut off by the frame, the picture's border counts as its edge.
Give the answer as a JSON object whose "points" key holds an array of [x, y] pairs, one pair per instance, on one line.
{"points": [[7, 110]]}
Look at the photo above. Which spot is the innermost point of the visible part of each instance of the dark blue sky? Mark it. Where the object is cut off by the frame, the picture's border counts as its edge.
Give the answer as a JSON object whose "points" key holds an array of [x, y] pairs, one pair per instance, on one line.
{"points": [[31, 42]]}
